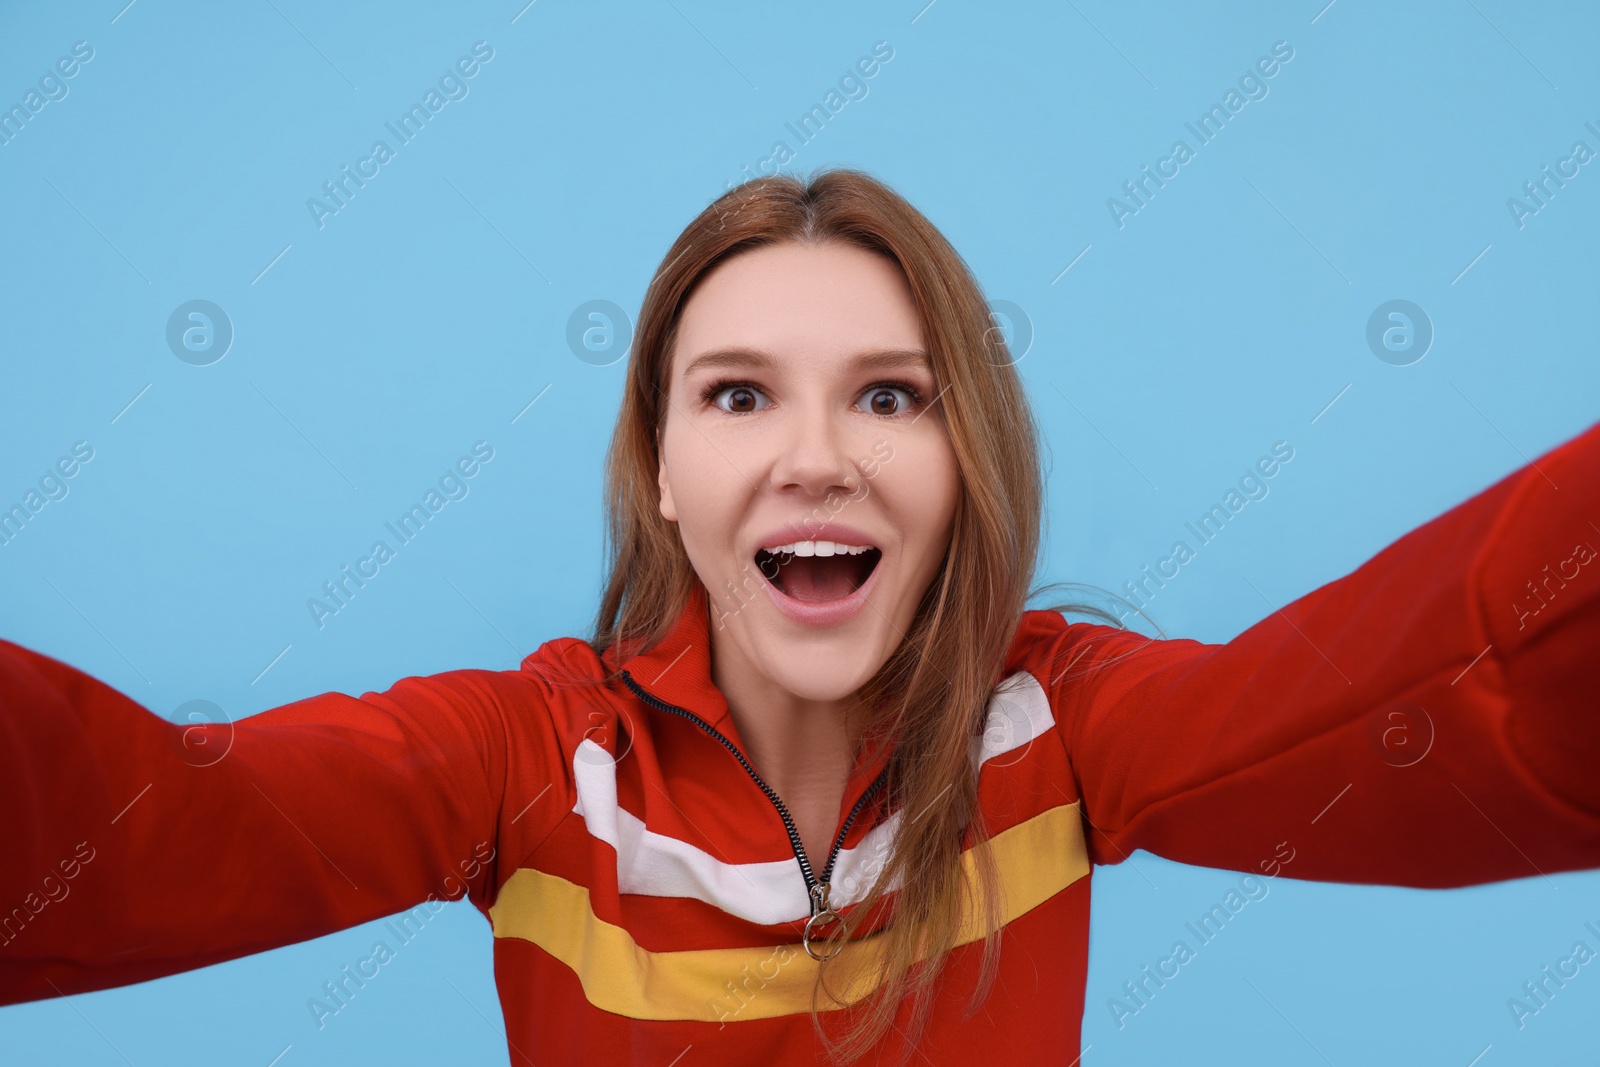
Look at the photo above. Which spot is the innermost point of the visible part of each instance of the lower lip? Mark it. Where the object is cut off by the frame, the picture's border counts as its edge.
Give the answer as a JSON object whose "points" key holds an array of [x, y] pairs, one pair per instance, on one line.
{"points": [[822, 612]]}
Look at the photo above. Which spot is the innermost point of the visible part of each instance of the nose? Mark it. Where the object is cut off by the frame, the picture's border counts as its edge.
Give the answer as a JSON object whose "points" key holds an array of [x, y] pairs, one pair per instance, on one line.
{"points": [[813, 454]]}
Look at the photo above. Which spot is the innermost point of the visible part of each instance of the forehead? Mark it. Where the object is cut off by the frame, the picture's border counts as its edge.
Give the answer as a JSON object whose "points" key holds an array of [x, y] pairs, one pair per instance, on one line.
{"points": [[810, 303]]}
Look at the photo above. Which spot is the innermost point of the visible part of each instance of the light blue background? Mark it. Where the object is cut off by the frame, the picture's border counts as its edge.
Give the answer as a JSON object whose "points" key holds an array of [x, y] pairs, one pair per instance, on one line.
{"points": [[1225, 315]]}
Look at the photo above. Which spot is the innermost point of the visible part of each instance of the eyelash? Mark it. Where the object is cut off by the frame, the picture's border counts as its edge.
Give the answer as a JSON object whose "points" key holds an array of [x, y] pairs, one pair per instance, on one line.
{"points": [[708, 394]]}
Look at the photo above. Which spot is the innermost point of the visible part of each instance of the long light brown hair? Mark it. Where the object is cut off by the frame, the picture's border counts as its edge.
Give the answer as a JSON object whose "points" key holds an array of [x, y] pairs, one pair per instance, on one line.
{"points": [[931, 694]]}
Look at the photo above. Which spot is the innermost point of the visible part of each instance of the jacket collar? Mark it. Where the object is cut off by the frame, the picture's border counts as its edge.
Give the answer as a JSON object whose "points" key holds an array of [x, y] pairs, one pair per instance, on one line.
{"points": [[677, 670]]}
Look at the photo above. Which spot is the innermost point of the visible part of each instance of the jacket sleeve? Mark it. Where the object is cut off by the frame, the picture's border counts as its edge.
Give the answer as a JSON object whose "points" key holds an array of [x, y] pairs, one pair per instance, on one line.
{"points": [[134, 847], [1431, 719]]}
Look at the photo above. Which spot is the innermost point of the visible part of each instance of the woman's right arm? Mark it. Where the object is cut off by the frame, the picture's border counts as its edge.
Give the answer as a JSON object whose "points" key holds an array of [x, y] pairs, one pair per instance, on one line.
{"points": [[132, 848]]}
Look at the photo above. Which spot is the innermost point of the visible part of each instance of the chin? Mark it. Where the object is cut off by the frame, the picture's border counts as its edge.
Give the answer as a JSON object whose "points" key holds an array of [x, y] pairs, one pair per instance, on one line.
{"points": [[823, 670]]}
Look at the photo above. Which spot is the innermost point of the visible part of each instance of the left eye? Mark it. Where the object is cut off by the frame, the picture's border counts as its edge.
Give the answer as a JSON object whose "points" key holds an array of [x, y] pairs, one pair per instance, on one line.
{"points": [[740, 399], [886, 400]]}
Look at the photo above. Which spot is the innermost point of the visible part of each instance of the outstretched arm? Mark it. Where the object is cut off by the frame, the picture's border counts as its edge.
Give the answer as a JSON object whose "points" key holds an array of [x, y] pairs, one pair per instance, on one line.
{"points": [[1431, 719], [134, 847]]}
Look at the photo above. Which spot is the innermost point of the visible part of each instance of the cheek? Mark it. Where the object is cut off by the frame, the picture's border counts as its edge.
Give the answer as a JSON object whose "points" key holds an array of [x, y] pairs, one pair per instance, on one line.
{"points": [[698, 478], [939, 473], [922, 484]]}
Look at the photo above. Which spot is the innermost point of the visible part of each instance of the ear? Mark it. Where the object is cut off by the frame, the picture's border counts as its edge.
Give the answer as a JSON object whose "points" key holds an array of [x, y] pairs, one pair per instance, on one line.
{"points": [[668, 510]]}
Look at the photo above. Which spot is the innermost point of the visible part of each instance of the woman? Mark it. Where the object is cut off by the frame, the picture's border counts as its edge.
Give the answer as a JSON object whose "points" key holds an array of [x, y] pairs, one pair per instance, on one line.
{"points": [[819, 780]]}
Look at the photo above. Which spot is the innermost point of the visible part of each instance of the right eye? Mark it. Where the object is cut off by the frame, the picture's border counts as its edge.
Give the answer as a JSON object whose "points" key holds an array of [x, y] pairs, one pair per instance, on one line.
{"points": [[736, 398]]}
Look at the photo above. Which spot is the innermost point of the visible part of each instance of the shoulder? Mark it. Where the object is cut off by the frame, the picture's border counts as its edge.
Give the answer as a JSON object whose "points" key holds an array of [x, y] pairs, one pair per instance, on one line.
{"points": [[1051, 648], [1080, 662], [564, 662], [553, 688], [576, 687]]}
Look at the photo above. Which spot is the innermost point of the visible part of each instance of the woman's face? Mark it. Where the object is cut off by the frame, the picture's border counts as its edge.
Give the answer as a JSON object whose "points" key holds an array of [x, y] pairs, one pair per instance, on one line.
{"points": [[803, 414]]}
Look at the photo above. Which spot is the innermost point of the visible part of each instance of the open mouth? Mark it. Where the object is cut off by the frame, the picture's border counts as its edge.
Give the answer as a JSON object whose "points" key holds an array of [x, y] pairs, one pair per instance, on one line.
{"points": [[817, 571]]}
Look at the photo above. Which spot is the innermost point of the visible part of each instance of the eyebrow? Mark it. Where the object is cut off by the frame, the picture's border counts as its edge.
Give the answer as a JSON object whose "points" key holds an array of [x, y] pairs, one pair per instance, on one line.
{"points": [[876, 359]]}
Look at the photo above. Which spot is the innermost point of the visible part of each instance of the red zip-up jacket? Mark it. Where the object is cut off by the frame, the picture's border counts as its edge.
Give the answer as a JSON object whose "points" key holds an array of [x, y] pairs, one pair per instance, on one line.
{"points": [[645, 892]]}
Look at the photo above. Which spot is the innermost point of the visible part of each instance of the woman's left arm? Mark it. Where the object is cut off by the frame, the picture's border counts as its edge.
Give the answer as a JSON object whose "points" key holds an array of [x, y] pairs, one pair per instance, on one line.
{"points": [[1431, 719]]}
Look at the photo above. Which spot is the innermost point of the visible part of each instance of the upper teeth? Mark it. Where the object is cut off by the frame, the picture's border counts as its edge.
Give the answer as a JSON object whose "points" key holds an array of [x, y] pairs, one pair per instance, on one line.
{"points": [[819, 548]]}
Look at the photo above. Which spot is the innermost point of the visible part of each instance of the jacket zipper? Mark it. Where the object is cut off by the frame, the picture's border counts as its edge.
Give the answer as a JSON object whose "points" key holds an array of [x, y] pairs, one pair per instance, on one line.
{"points": [[816, 888]]}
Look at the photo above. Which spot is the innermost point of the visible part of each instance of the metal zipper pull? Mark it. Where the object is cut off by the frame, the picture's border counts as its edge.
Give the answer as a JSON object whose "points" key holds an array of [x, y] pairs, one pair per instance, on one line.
{"points": [[821, 913]]}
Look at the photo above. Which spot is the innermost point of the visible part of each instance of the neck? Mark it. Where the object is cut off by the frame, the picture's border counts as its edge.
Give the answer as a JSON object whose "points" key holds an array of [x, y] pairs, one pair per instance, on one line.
{"points": [[799, 746]]}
